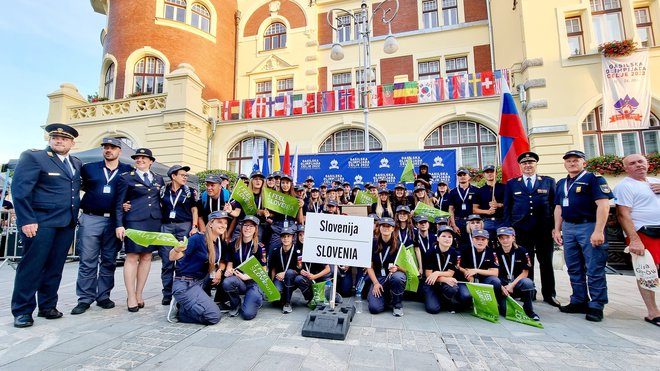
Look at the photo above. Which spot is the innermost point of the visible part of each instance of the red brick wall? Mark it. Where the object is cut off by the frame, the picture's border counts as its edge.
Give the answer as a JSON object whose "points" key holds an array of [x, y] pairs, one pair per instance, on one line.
{"points": [[131, 26], [406, 19], [475, 10], [288, 9], [390, 67], [482, 58], [325, 31], [323, 79]]}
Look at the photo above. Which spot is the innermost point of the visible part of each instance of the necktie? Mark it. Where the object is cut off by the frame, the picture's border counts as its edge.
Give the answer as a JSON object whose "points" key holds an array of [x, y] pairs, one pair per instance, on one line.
{"points": [[146, 178], [529, 184], [68, 167]]}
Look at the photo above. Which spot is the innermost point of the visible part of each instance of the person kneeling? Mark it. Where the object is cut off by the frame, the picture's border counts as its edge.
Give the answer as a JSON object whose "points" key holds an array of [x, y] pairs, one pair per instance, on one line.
{"points": [[479, 264], [282, 271]]}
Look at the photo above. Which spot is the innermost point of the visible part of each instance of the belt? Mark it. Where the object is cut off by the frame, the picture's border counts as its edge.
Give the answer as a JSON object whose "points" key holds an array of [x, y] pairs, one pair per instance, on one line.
{"points": [[98, 213], [580, 220], [184, 278]]}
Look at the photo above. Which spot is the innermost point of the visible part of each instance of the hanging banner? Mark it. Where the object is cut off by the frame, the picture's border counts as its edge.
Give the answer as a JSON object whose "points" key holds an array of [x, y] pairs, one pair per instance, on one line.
{"points": [[626, 92]]}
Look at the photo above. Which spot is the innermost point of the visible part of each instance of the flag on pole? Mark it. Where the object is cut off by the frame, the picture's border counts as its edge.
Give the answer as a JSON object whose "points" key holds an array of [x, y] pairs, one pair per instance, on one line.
{"points": [[286, 168], [513, 139], [255, 155], [294, 167], [276, 159], [264, 162], [408, 174]]}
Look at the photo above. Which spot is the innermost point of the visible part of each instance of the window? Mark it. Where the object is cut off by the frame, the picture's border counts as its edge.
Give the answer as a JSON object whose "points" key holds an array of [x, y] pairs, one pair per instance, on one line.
{"points": [[201, 18], [343, 28], [620, 143], [430, 13], [109, 82], [148, 76], [644, 27], [341, 80], [349, 140], [127, 142], [475, 144], [574, 34], [275, 36], [239, 158], [264, 88], [175, 10], [284, 86], [456, 66], [359, 24], [449, 12], [428, 69], [607, 20]]}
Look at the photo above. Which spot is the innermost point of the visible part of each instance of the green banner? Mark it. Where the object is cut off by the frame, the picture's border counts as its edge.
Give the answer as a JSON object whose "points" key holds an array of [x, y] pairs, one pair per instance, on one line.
{"points": [[428, 211], [516, 313], [143, 238], [280, 202], [243, 196], [365, 198], [408, 174], [252, 268], [405, 259], [319, 294], [485, 303]]}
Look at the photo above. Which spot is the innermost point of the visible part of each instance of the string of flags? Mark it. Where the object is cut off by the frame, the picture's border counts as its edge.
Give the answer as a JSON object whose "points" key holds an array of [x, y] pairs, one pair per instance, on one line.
{"points": [[468, 85]]}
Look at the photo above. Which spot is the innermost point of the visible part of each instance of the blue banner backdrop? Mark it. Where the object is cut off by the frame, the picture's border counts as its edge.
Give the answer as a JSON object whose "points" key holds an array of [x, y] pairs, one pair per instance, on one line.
{"points": [[362, 167]]}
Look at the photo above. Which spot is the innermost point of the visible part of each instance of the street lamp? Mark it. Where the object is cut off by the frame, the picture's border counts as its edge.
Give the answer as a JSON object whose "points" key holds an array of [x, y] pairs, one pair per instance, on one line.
{"points": [[363, 20]]}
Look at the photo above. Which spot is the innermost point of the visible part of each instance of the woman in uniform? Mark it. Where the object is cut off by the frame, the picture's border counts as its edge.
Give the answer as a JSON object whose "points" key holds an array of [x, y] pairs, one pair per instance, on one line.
{"points": [[442, 196], [514, 268], [423, 240], [281, 221], [282, 268], [479, 264], [404, 227], [314, 202], [420, 195], [383, 208], [400, 198]]}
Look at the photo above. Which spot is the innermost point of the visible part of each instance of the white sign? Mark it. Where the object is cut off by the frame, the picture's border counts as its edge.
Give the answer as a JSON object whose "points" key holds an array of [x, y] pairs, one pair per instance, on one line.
{"points": [[338, 239]]}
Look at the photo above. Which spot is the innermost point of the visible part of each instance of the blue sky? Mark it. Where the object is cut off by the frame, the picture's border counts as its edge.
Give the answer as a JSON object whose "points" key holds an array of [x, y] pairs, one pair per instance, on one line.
{"points": [[43, 43]]}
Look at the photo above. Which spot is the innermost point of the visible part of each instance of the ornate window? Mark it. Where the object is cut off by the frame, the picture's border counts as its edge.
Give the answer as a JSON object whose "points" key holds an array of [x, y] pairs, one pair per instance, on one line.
{"points": [[109, 82], [264, 88], [607, 20], [644, 27], [284, 86], [449, 12], [175, 10], [349, 140], [341, 80], [200, 17], [239, 158], [343, 28], [620, 143], [575, 36], [148, 76], [275, 36], [428, 69], [456, 66], [474, 143], [430, 13]]}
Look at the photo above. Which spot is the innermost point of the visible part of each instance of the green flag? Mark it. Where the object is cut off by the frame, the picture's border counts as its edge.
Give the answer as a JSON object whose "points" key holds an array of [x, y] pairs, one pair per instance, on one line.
{"points": [[365, 198], [514, 312], [252, 268], [405, 259], [143, 238], [485, 303], [408, 174], [318, 289], [244, 197], [428, 211], [280, 202]]}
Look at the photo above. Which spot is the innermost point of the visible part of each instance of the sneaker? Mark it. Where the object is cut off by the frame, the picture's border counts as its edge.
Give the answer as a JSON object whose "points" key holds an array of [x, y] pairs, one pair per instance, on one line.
{"points": [[574, 308], [166, 300], [234, 311], [594, 315], [397, 312], [105, 304], [80, 308], [173, 313], [287, 309], [533, 316]]}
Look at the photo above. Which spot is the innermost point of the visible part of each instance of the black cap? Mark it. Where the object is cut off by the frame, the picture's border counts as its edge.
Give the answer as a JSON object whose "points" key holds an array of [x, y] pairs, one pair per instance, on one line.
{"points": [[299, 188], [250, 218], [309, 178], [300, 228], [111, 141], [243, 176], [441, 181], [270, 176], [507, 231], [223, 176], [356, 186], [383, 190], [386, 221], [446, 228], [489, 168], [441, 220], [422, 218], [370, 186], [472, 217], [401, 208], [346, 184], [332, 203], [314, 189], [400, 186], [323, 186], [61, 130], [257, 173], [420, 188], [212, 178], [374, 216], [382, 180], [285, 176], [574, 152], [287, 230], [462, 170], [277, 174], [424, 164], [219, 215], [480, 233], [143, 152], [528, 156], [176, 168]]}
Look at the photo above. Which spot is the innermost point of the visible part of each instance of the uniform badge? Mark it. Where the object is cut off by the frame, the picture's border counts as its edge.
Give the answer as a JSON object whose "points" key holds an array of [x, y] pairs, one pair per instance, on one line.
{"points": [[605, 188], [50, 154], [578, 189], [542, 190]]}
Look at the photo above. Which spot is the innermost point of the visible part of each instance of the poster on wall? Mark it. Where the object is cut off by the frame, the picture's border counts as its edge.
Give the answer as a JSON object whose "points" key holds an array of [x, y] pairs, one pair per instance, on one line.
{"points": [[626, 92]]}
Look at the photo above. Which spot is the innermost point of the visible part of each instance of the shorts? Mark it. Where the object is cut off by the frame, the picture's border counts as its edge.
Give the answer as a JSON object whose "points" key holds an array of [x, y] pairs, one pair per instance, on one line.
{"points": [[652, 245]]}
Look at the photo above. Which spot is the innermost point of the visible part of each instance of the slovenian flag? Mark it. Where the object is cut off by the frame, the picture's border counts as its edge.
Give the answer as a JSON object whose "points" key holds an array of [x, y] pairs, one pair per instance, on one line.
{"points": [[513, 139]]}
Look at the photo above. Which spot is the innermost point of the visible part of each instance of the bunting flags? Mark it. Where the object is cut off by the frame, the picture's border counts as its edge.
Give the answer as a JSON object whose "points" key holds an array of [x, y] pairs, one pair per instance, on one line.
{"points": [[248, 106], [282, 105], [310, 103], [298, 104], [474, 83], [405, 92], [345, 99], [261, 108], [326, 101], [386, 95], [487, 83], [231, 110], [428, 91]]}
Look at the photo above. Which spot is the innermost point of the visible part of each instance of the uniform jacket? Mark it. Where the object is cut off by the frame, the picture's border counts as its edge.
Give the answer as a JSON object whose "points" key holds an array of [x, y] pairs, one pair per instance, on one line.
{"points": [[145, 199], [43, 191], [520, 213]]}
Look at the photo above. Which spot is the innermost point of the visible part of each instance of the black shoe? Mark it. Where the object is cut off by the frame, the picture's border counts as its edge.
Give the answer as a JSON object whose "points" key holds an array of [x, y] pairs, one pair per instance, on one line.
{"points": [[166, 300], [24, 320], [574, 308], [80, 308], [594, 315], [105, 304], [533, 315], [132, 309], [551, 300], [51, 313], [141, 305]]}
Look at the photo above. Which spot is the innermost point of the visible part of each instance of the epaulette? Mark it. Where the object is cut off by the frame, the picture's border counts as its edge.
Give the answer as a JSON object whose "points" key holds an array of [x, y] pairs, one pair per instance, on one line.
{"points": [[49, 153], [597, 174], [132, 173], [36, 150], [539, 177], [520, 179]]}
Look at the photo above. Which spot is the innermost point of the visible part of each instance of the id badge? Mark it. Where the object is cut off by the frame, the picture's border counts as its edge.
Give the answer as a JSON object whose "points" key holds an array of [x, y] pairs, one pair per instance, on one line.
{"points": [[463, 207], [286, 224], [107, 189], [172, 214], [564, 203], [382, 272]]}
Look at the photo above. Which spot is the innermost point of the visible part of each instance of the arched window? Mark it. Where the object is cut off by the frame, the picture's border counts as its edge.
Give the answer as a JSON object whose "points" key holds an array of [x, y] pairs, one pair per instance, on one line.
{"points": [[200, 17], [128, 142], [148, 76], [239, 158], [109, 82], [275, 36], [349, 140], [618, 142], [175, 10], [474, 143]]}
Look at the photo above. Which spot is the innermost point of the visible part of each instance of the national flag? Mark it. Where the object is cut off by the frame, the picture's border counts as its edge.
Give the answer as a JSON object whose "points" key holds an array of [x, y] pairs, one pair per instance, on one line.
{"points": [[499, 75], [255, 155], [386, 95], [248, 106], [464, 90], [411, 89], [374, 95], [310, 103], [276, 158], [487, 83], [261, 108], [298, 104], [513, 139], [345, 99], [282, 105], [427, 91], [287, 161], [454, 86], [294, 167], [474, 81], [264, 161], [231, 110], [442, 91], [399, 93], [327, 101]]}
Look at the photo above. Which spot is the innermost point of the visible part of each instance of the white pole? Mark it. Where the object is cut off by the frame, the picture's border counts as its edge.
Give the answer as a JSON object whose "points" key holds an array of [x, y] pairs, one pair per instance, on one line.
{"points": [[334, 289]]}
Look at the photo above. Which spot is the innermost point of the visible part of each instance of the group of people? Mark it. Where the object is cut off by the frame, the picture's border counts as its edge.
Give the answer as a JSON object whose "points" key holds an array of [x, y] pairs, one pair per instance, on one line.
{"points": [[492, 235]]}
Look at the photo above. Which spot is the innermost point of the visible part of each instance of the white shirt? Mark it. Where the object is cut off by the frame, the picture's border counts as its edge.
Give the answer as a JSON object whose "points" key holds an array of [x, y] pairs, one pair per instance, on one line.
{"points": [[73, 171], [533, 178], [638, 196], [141, 173]]}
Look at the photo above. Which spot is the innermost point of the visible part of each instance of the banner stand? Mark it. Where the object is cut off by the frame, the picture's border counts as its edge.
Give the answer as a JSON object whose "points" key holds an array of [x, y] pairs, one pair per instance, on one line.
{"points": [[334, 289]]}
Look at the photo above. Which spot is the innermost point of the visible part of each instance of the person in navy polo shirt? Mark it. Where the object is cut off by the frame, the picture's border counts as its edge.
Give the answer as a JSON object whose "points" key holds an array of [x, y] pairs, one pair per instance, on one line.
{"points": [[582, 206], [490, 204], [461, 200], [97, 244]]}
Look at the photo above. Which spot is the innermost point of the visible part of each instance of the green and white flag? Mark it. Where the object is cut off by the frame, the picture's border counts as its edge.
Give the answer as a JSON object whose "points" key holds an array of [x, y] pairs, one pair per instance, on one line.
{"points": [[365, 198], [428, 211], [253, 268], [516, 313], [318, 289], [485, 302], [405, 259], [280, 202], [408, 174], [243, 196], [144, 238]]}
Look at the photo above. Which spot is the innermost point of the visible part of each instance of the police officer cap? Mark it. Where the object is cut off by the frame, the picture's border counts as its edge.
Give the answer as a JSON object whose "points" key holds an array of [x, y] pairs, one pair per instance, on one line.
{"points": [[61, 130], [370, 186], [257, 173], [402, 208], [176, 168], [384, 190], [111, 141], [332, 203], [285, 176], [323, 186], [420, 188], [445, 228], [574, 152], [441, 220], [528, 156], [243, 176], [146, 152], [480, 233], [300, 228], [424, 164], [462, 170], [386, 221], [251, 218], [314, 189], [422, 218], [331, 189], [299, 188], [489, 168], [219, 215], [345, 184], [212, 178], [270, 176], [339, 188], [287, 230], [400, 186], [472, 217], [223, 176], [277, 174], [506, 231], [356, 186], [309, 178]]}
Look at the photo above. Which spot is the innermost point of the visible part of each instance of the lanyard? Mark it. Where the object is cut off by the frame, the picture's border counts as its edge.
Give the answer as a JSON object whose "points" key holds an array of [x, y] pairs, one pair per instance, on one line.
{"points": [[421, 241], [442, 198], [509, 272], [259, 201], [109, 177], [240, 253], [402, 239], [474, 258], [217, 262], [211, 204], [288, 260], [382, 260], [567, 188], [440, 266], [463, 197], [176, 200], [316, 206]]}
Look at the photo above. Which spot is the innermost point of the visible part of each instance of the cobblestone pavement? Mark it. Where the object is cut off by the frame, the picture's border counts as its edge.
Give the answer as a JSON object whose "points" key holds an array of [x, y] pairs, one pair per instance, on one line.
{"points": [[116, 339]]}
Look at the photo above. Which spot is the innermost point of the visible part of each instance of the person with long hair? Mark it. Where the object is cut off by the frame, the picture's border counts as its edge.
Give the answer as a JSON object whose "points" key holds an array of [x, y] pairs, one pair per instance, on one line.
{"points": [[281, 221], [423, 241], [194, 263], [388, 279], [400, 197], [354, 191], [314, 203], [442, 195], [421, 195], [342, 198], [474, 222], [330, 194], [383, 207], [404, 226], [282, 268]]}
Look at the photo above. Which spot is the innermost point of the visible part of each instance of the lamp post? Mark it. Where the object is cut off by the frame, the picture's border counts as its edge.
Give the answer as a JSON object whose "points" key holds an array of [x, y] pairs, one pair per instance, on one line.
{"points": [[363, 19]]}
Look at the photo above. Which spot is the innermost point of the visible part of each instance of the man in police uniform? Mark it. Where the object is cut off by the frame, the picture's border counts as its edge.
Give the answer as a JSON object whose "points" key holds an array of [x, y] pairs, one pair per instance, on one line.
{"points": [[97, 244], [46, 189], [582, 206], [528, 208]]}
